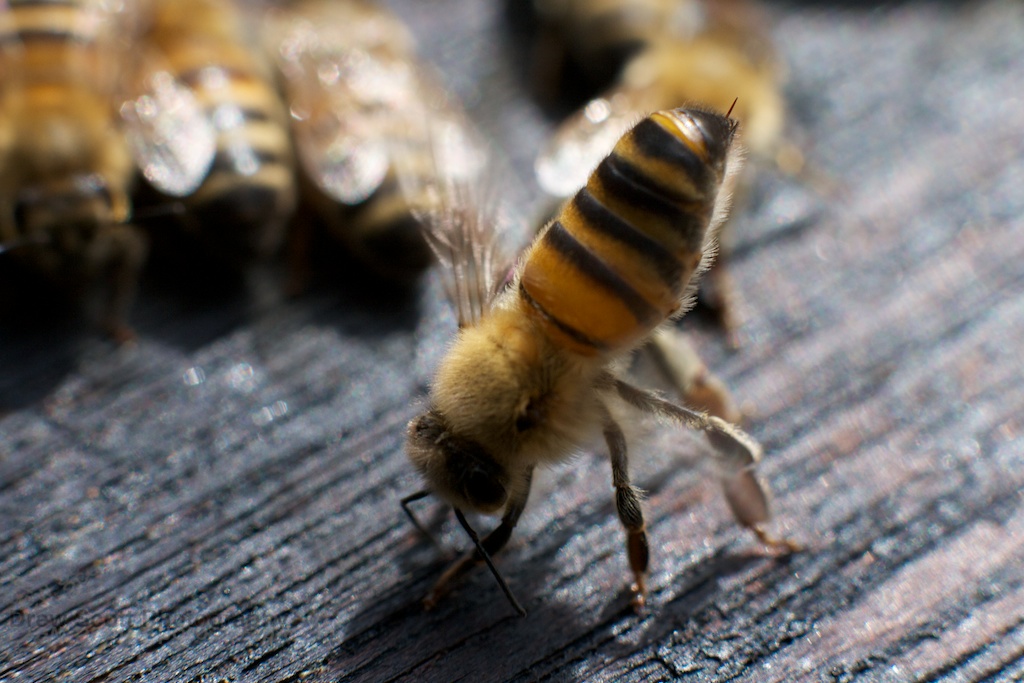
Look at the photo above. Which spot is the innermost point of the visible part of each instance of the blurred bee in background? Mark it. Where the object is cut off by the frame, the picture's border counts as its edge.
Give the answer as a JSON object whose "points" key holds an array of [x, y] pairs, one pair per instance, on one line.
{"points": [[663, 54], [209, 130], [531, 377], [65, 168], [356, 91]]}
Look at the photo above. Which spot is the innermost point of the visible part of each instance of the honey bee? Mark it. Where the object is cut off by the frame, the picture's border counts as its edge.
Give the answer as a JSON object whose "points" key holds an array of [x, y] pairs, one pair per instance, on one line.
{"points": [[672, 52], [532, 374], [355, 88], [65, 168], [209, 129]]}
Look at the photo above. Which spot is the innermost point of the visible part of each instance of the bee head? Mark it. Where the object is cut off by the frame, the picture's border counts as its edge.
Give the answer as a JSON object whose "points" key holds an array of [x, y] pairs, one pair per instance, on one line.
{"points": [[456, 468]]}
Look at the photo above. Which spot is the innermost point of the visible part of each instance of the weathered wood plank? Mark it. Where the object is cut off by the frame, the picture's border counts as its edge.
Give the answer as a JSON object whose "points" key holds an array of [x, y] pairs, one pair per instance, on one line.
{"points": [[221, 501]]}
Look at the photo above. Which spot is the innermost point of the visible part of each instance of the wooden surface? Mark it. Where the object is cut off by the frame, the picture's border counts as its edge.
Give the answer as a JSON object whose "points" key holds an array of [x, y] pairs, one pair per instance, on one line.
{"points": [[221, 502]]}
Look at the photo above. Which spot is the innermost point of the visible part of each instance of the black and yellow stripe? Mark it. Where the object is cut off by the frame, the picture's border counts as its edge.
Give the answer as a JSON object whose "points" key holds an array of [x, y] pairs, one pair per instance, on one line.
{"points": [[56, 42], [618, 257], [29, 21], [249, 193]]}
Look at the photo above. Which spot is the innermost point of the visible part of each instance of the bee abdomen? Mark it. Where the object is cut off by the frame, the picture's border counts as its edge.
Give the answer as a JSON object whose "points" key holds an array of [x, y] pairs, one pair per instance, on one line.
{"points": [[48, 21], [56, 42], [249, 192], [619, 256], [253, 148]]}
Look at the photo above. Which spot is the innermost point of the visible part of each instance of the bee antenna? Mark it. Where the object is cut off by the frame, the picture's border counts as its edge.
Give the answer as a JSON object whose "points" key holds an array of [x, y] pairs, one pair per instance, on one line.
{"points": [[412, 498], [487, 558], [731, 107]]}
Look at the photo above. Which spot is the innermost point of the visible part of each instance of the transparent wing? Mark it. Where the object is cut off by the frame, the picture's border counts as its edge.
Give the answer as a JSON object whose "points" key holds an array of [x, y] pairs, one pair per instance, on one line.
{"points": [[364, 112], [346, 73], [338, 130], [451, 178], [171, 137], [581, 142]]}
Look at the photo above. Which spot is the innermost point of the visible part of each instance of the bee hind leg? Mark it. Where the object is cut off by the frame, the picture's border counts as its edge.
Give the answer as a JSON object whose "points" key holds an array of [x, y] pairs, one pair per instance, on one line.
{"points": [[627, 504], [695, 383], [735, 454], [720, 296], [748, 500]]}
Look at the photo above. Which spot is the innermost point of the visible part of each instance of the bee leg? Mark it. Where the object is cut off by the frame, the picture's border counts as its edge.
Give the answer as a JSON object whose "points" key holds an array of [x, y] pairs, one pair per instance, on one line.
{"points": [[718, 291], [736, 455], [120, 251], [698, 387], [405, 502], [627, 504], [485, 548], [736, 458], [720, 296], [748, 499]]}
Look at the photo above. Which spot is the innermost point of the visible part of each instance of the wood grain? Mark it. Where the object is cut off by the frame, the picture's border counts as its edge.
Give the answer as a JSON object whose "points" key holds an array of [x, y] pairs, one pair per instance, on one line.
{"points": [[221, 502]]}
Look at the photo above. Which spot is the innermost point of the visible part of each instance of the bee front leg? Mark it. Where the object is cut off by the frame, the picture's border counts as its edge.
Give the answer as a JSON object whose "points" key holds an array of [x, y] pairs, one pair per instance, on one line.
{"points": [[483, 552], [627, 504]]}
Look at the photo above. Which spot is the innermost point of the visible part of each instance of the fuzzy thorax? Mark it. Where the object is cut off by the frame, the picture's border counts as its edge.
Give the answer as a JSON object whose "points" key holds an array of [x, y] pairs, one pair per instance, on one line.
{"points": [[504, 400]]}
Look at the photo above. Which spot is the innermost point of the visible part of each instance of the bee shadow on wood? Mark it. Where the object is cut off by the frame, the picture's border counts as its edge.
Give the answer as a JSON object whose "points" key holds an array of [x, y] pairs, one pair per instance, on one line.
{"points": [[396, 625], [475, 613]]}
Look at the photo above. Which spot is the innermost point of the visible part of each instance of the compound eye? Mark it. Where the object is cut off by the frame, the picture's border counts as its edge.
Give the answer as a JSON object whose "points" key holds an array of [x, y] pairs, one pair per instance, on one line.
{"points": [[484, 491]]}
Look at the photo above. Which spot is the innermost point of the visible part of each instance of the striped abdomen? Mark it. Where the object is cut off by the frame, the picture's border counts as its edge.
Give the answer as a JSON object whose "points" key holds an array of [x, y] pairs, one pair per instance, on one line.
{"points": [[67, 42], [249, 193], [63, 160], [615, 262]]}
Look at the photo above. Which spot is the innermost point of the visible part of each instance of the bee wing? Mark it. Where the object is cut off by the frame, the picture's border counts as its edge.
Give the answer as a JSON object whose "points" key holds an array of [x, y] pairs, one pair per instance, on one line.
{"points": [[581, 142], [449, 175], [170, 134], [363, 112], [345, 72], [338, 134]]}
